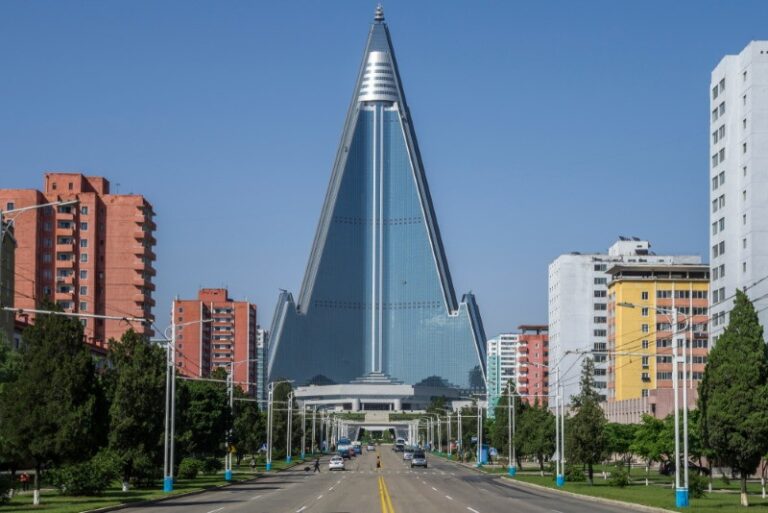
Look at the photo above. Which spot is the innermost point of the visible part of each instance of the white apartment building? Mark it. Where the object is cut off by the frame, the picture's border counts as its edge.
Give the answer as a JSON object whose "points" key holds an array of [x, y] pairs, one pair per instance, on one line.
{"points": [[738, 183], [578, 303], [501, 365]]}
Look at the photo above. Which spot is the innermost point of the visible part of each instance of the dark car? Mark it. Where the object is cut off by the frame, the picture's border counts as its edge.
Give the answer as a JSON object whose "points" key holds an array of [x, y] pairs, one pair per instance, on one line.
{"points": [[667, 468]]}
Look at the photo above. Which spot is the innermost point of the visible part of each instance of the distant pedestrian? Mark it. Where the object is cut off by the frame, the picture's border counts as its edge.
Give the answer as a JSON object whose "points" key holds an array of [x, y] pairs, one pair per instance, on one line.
{"points": [[317, 465], [253, 464], [378, 462], [24, 479]]}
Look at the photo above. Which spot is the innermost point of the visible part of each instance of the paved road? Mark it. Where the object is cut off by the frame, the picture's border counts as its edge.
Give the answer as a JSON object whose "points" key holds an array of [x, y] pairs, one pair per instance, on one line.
{"points": [[442, 488]]}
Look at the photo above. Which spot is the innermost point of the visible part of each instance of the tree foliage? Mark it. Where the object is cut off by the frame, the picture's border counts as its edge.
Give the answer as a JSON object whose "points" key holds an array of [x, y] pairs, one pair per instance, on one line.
{"points": [[499, 431], [585, 431], [619, 439], [733, 395], [203, 418], [51, 413], [536, 432], [137, 401]]}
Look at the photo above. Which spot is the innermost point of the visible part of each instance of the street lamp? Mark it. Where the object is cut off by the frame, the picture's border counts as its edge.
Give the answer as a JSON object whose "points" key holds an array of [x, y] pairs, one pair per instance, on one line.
{"points": [[270, 407], [681, 492], [511, 431], [479, 435], [289, 429], [230, 431], [170, 398]]}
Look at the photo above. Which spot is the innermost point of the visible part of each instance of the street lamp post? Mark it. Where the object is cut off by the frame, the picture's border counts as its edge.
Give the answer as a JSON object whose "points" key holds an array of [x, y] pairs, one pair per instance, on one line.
{"points": [[512, 469], [479, 435], [681, 489], [289, 434], [303, 431], [448, 426], [314, 420]]}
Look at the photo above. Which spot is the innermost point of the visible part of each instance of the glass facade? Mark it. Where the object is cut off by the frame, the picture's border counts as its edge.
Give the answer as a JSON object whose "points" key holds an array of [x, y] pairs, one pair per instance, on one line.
{"points": [[377, 295]]}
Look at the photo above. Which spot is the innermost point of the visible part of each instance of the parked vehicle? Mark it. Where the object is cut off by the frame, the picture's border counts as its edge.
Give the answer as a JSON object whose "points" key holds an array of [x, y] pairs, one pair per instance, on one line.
{"points": [[370, 447], [336, 463], [667, 468]]}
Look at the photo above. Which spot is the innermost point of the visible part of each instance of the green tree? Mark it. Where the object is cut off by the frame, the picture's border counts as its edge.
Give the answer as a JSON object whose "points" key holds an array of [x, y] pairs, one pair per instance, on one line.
{"points": [[499, 429], [587, 442], [10, 366], [619, 439], [648, 439], [203, 416], [250, 426], [733, 395], [51, 413], [536, 431], [280, 422], [137, 403]]}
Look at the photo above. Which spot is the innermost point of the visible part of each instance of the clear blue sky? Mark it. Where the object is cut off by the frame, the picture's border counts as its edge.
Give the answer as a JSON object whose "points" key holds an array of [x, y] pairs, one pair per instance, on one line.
{"points": [[545, 127]]}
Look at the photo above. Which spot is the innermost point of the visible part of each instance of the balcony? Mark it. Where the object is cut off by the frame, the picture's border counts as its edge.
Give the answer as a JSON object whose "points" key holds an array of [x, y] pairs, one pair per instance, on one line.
{"points": [[65, 264], [65, 216], [66, 280], [65, 248], [139, 297], [63, 296], [65, 232]]}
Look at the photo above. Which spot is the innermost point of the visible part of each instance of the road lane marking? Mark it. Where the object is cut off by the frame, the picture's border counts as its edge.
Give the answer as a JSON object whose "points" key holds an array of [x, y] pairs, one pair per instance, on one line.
{"points": [[301, 509], [472, 510], [215, 510], [386, 501], [435, 489], [319, 497], [254, 498], [557, 511], [331, 488], [449, 497]]}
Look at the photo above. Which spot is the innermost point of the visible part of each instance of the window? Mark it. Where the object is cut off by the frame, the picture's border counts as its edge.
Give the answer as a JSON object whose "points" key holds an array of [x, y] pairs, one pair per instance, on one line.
{"points": [[644, 392], [721, 223], [715, 296], [744, 219], [83, 291], [721, 109], [744, 76], [721, 131], [645, 328], [664, 342], [722, 177], [714, 205], [645, 344], [644, 312], [743, 267], [714, 183], [84, 226], [714, 92], [721, 153], [600, 293], [664, 375], [714, 228], [601, 267], [714, 160], [714, 115], [83, 275], [715, 273], [663, 326], [744, 148], [644, 295], [84, 257], [744, 195], [600, 306], [663, 294], [600, 320], [744, 99], [721, 201], [682, 294], [644, 362], [722, 270], [10, 206], [601, 281], [699, 294], [744, 123], [722, 247], [744, 171], [83, 306], [722, 85], [84, 210], [83, 243], [600, 333]]}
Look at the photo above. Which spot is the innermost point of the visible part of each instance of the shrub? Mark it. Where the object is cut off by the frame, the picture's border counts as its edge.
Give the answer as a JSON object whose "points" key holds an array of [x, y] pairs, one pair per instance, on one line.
{"points": [[6, 485], [189, 468], [697, 485], [211, 466], [145, 473], [574, 474], [87, 478], [619, 476]]}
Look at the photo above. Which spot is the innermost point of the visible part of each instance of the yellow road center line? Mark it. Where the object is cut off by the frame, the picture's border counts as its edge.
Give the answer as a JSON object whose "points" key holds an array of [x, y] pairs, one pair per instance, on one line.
{"points": [[390, 509], [381, 497]]}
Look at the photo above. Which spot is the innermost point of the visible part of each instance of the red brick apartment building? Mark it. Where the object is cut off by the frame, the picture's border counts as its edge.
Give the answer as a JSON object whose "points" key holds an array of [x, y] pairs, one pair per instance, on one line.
{"points": [[533, 355], [215, 331], [92, 257]]}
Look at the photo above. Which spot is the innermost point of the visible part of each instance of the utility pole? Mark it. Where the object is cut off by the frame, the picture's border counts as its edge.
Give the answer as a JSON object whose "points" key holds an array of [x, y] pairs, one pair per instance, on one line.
{"points": [[314, 419], [289, 434], [303, 431], [230, 393]]}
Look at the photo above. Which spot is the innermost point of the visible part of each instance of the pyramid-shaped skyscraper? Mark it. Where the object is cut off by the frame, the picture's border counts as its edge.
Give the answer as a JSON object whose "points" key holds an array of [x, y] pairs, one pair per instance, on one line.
{"points": [[377, 296]]}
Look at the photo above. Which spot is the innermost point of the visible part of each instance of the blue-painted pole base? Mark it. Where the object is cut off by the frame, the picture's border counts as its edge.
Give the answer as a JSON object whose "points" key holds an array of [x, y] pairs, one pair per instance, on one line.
{"points": [[228, 475], [288, 459], [681, 497], [512, 471], [478, 465], [560, 481], [168, 484], [269, 466], [302, 455]]}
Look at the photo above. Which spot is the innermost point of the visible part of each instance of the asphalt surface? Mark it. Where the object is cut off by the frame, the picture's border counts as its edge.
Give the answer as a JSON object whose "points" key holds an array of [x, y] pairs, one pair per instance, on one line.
{"points": [[444, 487]]}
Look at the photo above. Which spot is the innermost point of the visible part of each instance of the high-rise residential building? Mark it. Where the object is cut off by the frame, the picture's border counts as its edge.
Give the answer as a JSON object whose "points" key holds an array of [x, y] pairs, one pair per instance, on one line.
{"points": [[533, 363], [523, 359], [214, 331], [262, 353], [641, 327], [377, 295], [92, 257], [738, 182], [7, 278], [578, 308], [501, 366]]}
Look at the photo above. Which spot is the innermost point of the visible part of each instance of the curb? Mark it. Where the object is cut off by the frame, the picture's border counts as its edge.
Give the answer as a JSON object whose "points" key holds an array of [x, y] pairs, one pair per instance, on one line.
{"points": [[149, 502], [612, 502]]}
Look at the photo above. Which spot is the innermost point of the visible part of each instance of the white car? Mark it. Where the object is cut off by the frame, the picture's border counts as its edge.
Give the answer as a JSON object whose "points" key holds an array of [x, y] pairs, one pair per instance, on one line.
{"points": [[408, 454], [336, 463]]}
